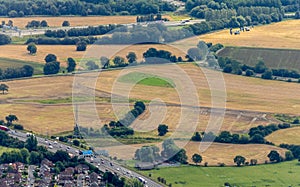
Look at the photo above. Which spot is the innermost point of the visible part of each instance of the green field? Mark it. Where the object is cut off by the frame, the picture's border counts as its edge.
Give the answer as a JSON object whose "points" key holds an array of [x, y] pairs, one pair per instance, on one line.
{"points": [[273, 58], [282, 174], [5, 149], [146, 79], [13, 63]]}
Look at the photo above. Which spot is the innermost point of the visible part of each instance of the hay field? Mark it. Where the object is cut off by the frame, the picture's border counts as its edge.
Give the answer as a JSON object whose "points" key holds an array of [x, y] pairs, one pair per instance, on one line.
{"points": [[243, 94], [284, 34], [213, 155], [74, 20], [287, 136]]}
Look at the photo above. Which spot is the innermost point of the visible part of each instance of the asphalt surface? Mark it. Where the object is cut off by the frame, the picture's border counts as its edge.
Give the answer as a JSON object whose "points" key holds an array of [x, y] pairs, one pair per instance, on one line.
{"points": [[103, 163]]}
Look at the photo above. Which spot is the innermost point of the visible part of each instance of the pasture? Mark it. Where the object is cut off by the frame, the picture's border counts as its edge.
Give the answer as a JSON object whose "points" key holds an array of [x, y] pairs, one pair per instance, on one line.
{"points": [[14, 63], [282, 174], [273, 58]]}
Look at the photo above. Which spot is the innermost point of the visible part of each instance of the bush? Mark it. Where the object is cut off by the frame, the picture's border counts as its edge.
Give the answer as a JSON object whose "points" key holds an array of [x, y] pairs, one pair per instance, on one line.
{"points": [[249, 72], [4, 39], [18, 127], [81, 46], [66, 23]]}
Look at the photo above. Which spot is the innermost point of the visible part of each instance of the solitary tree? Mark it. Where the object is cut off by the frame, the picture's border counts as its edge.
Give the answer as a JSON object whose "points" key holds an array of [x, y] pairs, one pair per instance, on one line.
{"points": [[239, 160], [162, 129], [197, 158], [3, 88], [274, 156], [66, 23], [31, 48], [71, 65], [10, 118], [131, 57], [81, 46]]}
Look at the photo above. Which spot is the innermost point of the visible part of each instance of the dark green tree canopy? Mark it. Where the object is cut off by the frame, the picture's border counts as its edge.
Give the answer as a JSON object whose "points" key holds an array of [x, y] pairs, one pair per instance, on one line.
{"points": [[50, 58], [162, 129]]}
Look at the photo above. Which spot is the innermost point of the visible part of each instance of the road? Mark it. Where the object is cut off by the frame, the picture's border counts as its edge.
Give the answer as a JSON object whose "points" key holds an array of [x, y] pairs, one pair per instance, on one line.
{"points": [[31, 177], [31, 32], [103, 163]]}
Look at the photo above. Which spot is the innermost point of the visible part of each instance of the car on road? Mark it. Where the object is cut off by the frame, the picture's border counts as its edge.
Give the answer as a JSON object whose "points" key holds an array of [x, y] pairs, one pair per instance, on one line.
{"points": [[50, 147]]}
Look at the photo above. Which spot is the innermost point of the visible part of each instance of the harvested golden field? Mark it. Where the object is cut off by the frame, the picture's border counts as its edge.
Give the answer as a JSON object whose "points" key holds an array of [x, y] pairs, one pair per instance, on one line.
{"points": [[215, 154], [51, 119], [65, 51], [243, 96], [284, 34], [287, 136], [74, 21]]}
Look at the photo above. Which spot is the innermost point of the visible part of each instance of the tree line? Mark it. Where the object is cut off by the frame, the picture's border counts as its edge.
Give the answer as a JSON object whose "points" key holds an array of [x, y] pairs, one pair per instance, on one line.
{"points": [[235, 67], [257, 11], [255, 135], [171, 152], [18, 72], [119, 128], [83, 8], [89, 31]]}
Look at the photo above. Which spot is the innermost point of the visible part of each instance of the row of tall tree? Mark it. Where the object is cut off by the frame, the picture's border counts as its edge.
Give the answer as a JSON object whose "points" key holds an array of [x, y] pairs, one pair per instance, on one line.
{"points": [[83, 8], [235, 67]]}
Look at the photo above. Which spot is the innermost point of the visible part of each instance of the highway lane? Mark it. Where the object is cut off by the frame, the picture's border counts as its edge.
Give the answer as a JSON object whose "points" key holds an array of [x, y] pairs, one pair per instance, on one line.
{"points": [[103, 163]]}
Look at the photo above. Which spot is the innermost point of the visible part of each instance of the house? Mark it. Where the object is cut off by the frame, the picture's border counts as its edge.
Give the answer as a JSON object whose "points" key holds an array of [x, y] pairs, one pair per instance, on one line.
{"points": [[20, 167], [66, 177], [12, 179], [3, 168], [47, 177], [94, 177], [46, 165], [81, 168]]}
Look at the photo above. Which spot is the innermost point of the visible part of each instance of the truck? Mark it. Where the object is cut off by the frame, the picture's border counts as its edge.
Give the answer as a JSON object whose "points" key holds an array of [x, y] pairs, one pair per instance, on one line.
{"points": [[4, 128]]}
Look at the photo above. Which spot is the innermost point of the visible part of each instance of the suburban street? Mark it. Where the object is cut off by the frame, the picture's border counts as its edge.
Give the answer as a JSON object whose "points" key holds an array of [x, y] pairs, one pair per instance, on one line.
{"points": [[103, 163]]}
